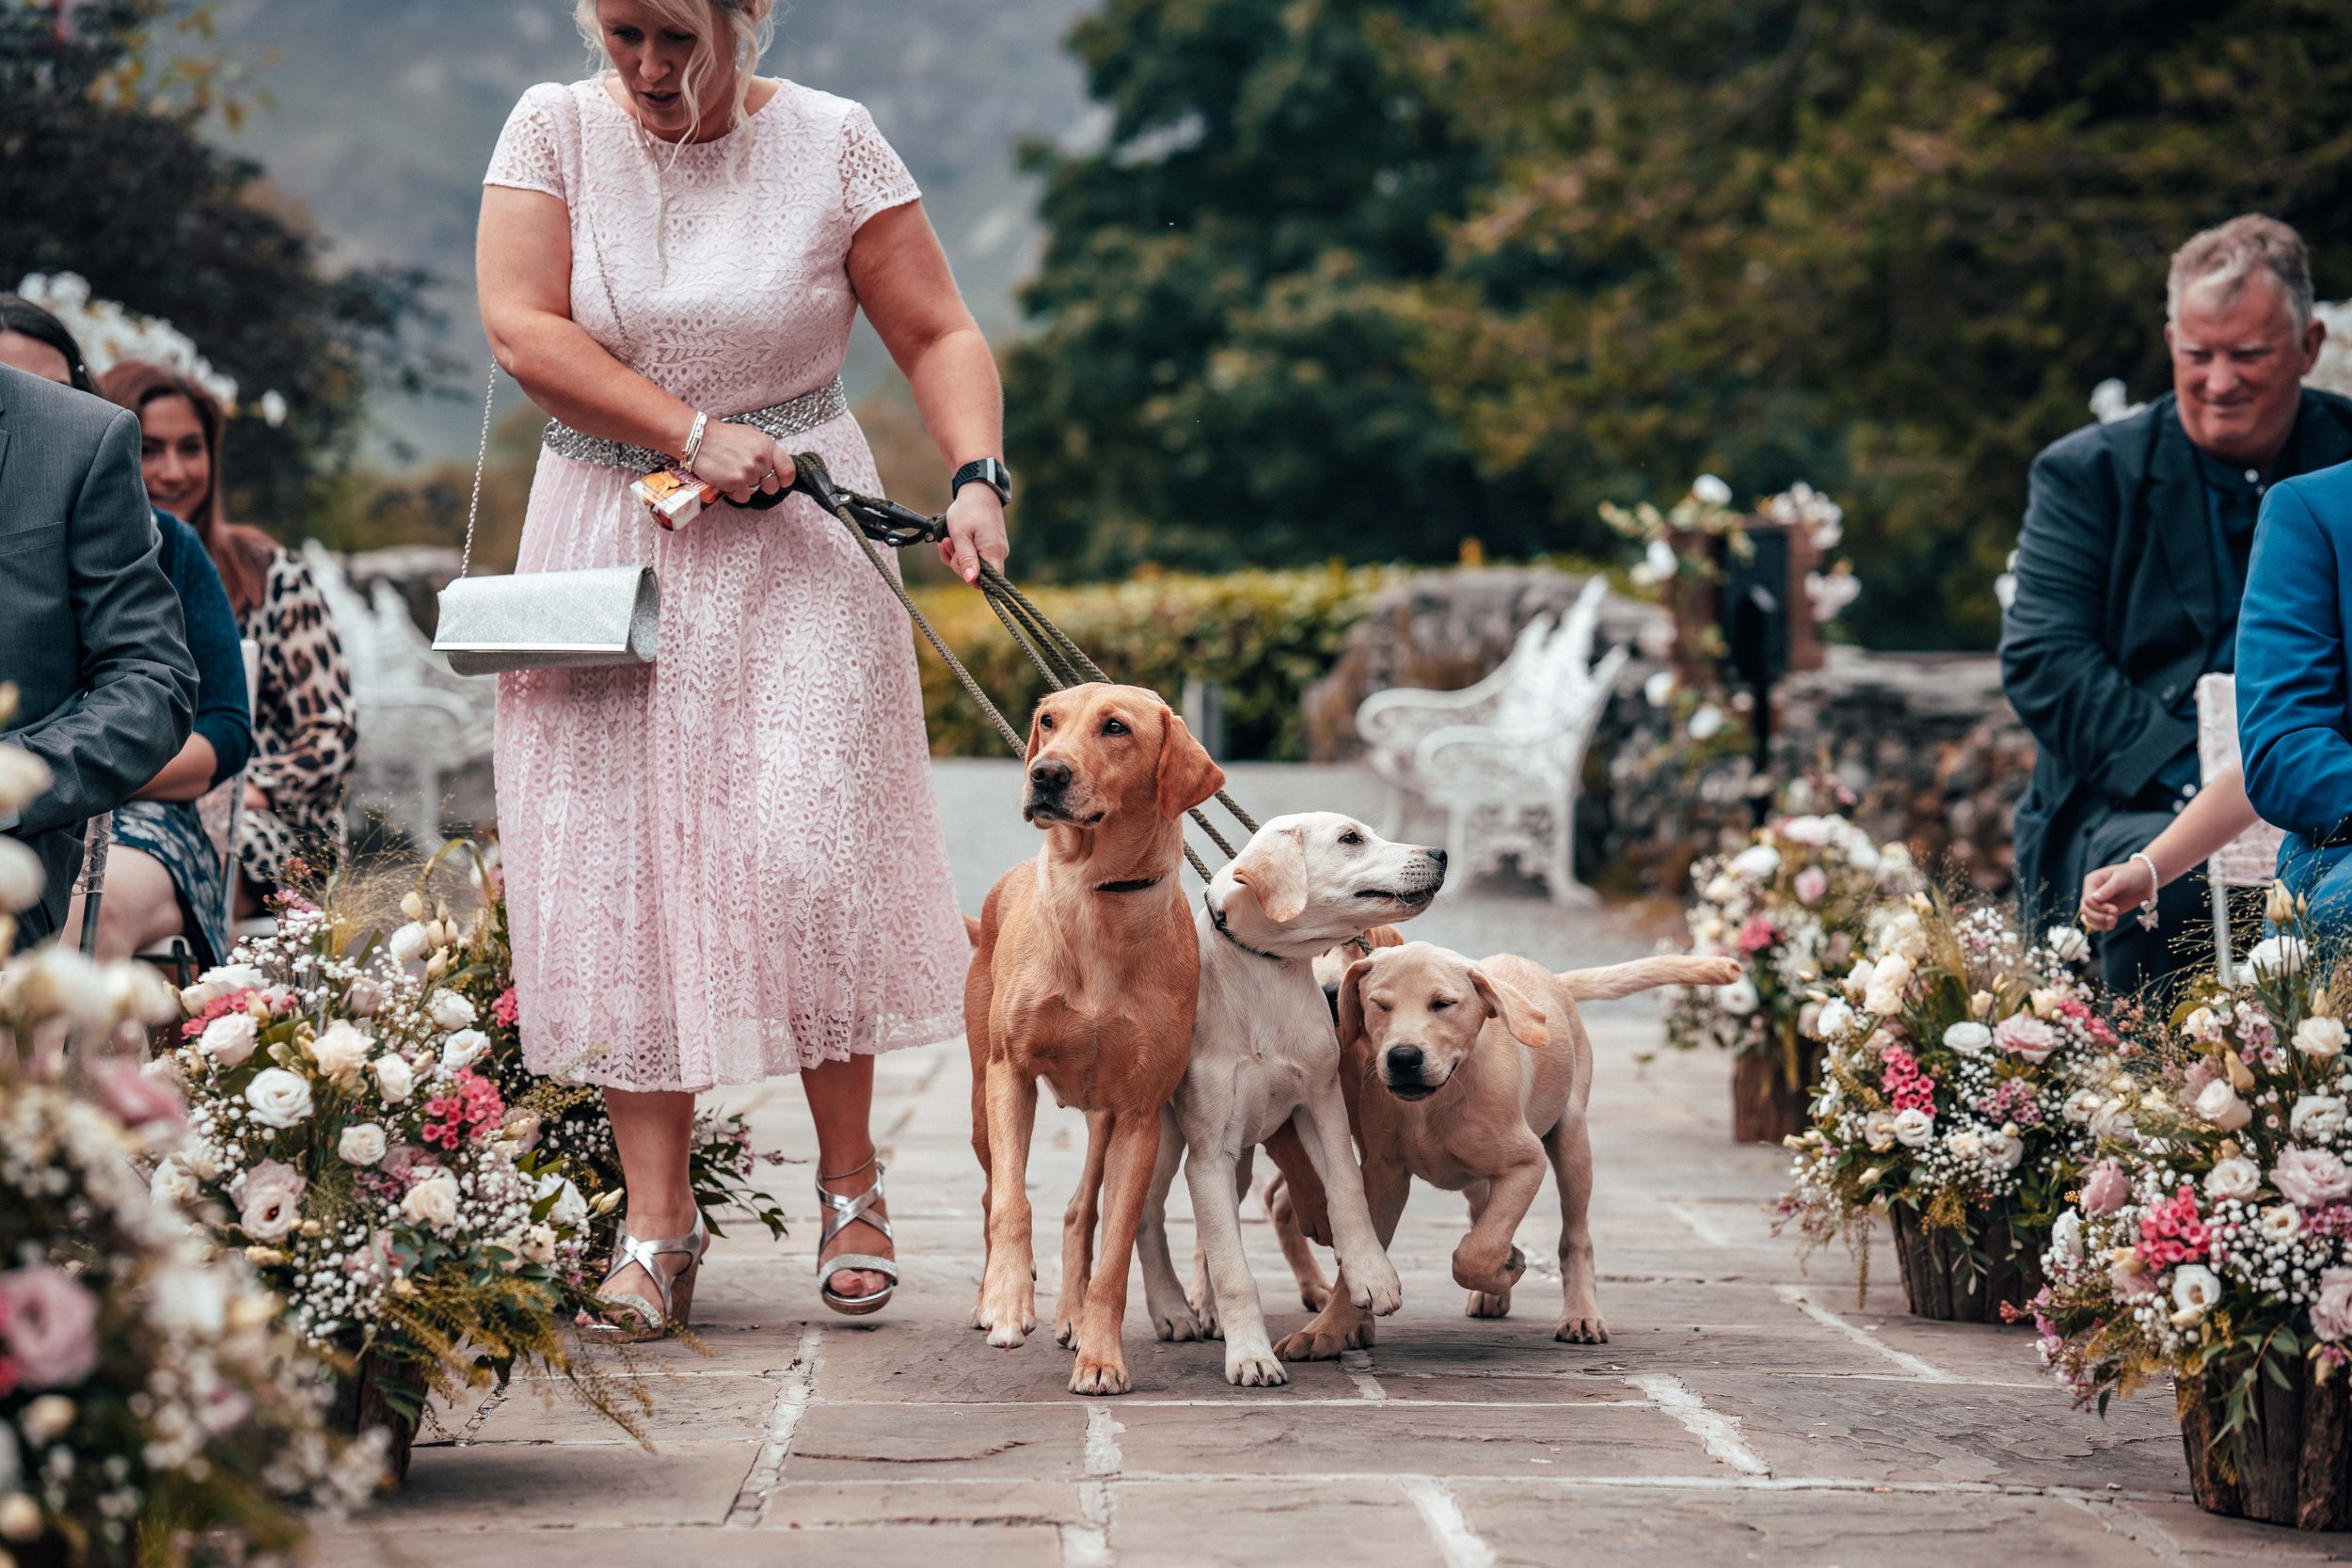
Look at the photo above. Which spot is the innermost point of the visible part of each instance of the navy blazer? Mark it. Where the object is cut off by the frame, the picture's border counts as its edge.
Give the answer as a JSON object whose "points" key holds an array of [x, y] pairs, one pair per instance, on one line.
{"points": [[2119, 597], [2293, 699]]}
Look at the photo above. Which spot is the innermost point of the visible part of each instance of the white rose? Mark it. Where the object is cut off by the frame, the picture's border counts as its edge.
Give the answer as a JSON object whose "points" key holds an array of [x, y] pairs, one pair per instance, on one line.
{"points": [[228, 1040], [2113, 1120], [279, 1099], [1711, 490], [1969, 1039], [1720, 890], [2082, 1105], [2280, 1222], [1857, 982], [2044, 1003], [2066, 943], [362, 1144], [570, 1211], [2195, 1290], [407, 944], [2276, 958], [1877, 1130], [1965, 1144], [449, 1010], [538, 1244], [1835, 1019], [174, 1184], [232, 977], [2010, 1151], [2317, 1118], [395, 1077], [2218, 1104], [2323, 1038], [1914, 1129], [1757, 862], [1738, 998], [1884, 994], [342, 1052], [2237, 1177], [1863, 855], [2066, 1235], [433, 1200], [464, 1049]]}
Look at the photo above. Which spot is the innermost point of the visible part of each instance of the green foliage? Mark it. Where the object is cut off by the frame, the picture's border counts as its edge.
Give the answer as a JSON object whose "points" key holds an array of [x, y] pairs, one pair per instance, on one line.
{"points": [[1221, 377], [1261, 635], [1887, 247], [105, 171]]}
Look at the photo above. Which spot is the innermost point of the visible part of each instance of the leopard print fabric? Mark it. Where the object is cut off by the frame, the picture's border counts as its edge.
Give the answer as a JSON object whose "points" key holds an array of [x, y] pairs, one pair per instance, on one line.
{"points": [[303, 735]]}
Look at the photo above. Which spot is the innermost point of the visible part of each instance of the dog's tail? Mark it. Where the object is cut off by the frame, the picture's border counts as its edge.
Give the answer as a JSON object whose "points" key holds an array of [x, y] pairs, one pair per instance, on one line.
{"points": [[1668, 969]]}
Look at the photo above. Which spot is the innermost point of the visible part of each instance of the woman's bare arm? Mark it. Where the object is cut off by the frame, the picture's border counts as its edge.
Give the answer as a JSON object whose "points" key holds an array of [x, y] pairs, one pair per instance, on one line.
{"points": [[2220, 813], [902, 279], [185, 776]]}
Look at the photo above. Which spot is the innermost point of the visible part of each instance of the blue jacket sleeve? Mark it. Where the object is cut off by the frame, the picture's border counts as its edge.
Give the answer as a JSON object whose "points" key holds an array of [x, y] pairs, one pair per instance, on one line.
{"points": [[2290, 687], [224, 716]]}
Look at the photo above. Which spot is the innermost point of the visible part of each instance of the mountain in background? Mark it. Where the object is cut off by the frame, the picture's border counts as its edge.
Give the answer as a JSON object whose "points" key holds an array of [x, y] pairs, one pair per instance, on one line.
{"points": [[379, 118]]}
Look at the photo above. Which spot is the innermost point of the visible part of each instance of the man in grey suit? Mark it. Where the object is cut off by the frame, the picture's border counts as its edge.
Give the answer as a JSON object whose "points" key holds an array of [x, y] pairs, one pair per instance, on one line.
{"points": [[2129, 572], [89, 628]]}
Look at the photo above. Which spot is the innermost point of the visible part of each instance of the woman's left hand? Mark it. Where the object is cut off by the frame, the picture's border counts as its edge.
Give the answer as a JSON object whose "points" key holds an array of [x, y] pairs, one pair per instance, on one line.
{"points": [[975, 533]]}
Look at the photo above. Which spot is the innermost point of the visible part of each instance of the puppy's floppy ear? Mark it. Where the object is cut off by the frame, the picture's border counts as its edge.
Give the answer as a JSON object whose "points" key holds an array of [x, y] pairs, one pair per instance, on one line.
{"points": [[1385, 936], [1037, 734], [1273, 866], [1520, 1014], [1351, 1002], [1187, 775]]}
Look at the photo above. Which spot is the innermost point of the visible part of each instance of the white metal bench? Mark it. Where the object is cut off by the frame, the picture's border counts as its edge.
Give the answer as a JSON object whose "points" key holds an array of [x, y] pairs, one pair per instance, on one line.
{"points": [[2252, 858], [1502, 758]]}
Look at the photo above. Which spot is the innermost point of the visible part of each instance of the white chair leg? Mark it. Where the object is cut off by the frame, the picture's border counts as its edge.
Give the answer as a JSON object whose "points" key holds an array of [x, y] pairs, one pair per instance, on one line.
{"points": [[1560, 873], [2220, 891], [1460, 871]]}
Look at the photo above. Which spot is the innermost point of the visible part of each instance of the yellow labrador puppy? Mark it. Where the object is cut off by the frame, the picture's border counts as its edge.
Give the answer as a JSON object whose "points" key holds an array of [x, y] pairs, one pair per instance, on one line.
{"points": [[1474, 1076]]}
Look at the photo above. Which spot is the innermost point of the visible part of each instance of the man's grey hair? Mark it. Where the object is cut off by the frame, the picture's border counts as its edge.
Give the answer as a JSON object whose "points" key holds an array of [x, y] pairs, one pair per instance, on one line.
{"points": [[2220, 259]]}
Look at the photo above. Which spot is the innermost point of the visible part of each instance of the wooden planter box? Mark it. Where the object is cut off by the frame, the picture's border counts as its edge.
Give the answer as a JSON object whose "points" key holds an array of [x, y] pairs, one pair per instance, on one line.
{"points": [[361, 1404], [2294, 1460], [1765, 1106], [1942, 1281]]}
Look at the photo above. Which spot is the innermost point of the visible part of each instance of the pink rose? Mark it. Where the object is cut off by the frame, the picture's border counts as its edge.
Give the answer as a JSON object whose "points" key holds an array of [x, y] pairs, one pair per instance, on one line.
{"points": [[136, 1099], [1812, 882], [270, 1200], [2025, 1035], [49, 1321], [2201, 1073], [2105, 1188], [2331, 1314], [2309, 1177], [2130, 1279]]}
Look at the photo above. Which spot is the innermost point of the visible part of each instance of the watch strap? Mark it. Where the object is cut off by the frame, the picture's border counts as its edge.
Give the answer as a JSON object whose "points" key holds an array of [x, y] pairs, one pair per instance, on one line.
{"points": [[985, 471]]}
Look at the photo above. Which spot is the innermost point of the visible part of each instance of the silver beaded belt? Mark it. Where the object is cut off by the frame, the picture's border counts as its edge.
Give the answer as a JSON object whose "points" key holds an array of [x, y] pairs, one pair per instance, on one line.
{"points": [[792, 417]]}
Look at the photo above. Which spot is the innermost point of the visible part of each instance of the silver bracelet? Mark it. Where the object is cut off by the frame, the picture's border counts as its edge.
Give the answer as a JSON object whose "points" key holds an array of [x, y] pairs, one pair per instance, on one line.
{"points": [[2155, 885], [694, 439]]}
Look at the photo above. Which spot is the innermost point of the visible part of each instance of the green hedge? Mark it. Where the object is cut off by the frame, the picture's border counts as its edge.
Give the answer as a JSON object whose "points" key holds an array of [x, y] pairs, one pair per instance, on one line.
{"points": [[1262, 635]]}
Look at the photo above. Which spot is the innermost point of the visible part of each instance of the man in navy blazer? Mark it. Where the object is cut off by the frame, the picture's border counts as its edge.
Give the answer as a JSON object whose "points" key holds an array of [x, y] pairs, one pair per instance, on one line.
{"points": [[2294, 692], [2130, 572]]}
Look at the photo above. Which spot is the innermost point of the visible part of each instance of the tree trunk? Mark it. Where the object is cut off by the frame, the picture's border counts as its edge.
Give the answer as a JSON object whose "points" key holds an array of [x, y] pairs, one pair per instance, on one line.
{"points": [[361, 1404], [2294, 1460], [1965, 1276], [1765, 1106]]}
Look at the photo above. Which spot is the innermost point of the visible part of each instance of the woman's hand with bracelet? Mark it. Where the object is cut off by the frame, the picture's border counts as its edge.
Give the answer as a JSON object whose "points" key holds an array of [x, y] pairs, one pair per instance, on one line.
{"points": [[975, 533], [2113, 889], [738, 460]]}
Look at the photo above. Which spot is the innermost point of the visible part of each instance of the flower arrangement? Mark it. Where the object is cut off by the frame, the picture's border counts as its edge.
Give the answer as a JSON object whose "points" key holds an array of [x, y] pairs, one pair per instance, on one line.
{"points": [[1967, 1082], [2217, 1249], [346, 1140], [1706, 512], [563, 1120], [1795, 903], [110, 335]]}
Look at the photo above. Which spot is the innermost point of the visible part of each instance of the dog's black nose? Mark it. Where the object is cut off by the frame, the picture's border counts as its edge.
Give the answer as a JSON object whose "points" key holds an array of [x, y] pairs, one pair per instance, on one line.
{"points": [[1437, 855], [1404, 1061], [1049, 773]]}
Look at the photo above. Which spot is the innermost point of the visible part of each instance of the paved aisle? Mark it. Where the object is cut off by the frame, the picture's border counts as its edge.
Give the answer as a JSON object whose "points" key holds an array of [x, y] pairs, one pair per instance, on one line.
{"points": [[1743, 1412]]}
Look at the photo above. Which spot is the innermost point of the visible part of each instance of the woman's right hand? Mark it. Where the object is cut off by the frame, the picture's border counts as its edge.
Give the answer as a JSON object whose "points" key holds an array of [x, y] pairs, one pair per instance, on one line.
{"points": [[738, 460], [2112, 889]]}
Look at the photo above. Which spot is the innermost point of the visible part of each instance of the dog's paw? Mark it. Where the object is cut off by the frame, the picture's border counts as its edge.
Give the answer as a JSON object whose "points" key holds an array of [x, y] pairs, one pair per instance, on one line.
{"points": [[1177, 1324], [1494, 1280], [1099, 1375], [1314, 1298], [1008, 1323], [1205, 1316], [1379, 1295], [1256, 1369], [1482, 1305], [1584, 1330], [1323, 1339], [1066, 1333]]}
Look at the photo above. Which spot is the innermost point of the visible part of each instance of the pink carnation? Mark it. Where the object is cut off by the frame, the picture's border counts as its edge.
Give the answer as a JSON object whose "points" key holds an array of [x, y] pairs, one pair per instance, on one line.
{"points": [[1757, 933], [2025, 1035], [2309, 1177], [506, 1011], [2171, 1232], [1907, 1088], [50, 1324]]}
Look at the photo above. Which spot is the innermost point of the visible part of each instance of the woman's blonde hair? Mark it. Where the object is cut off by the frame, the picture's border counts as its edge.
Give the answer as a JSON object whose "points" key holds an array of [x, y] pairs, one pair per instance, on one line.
{"points": [[747, 26]]}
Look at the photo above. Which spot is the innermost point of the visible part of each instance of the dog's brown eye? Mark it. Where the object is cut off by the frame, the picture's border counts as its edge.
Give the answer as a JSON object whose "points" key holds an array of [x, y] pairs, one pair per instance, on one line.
{"points": [[1044, 720], [1441, 1005], [1112, 726], [1351, 838]]}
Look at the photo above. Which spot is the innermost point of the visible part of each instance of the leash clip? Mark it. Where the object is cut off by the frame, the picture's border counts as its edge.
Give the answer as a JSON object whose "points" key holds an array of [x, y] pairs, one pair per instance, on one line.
{"points": [[883, 521]]}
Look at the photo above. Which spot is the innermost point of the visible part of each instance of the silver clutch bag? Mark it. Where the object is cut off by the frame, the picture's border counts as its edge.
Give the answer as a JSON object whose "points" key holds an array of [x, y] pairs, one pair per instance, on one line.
{"points": [[550, 621]]}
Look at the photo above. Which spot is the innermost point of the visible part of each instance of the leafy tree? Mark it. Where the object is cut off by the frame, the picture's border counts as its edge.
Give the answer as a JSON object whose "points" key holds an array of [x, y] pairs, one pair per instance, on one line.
{"points": [[105, 171], [1887, 245], [1219, 377]]}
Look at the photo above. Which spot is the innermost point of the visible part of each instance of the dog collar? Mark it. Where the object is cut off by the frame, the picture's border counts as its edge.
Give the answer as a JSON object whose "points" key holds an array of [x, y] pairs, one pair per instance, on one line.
{"points": [[1216, 918], [1135, 885]]}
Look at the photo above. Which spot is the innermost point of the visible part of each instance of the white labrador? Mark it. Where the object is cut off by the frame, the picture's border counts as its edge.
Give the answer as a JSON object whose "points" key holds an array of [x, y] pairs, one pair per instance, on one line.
{"points": [[1265, 1052]]}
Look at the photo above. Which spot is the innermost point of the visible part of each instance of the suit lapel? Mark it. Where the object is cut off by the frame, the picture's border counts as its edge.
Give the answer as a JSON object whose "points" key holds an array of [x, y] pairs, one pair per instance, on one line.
{"points": [[2177, 516], [3, 451]]}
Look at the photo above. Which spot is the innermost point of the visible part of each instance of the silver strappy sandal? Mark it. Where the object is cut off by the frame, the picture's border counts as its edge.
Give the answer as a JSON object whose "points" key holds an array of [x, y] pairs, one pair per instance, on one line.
{"points": [[633, 1319], [840, 1213]]}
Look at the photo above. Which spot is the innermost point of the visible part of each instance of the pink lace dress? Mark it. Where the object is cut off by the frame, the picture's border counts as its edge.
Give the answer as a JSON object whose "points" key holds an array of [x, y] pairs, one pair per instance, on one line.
{"points": [[729, 864]]}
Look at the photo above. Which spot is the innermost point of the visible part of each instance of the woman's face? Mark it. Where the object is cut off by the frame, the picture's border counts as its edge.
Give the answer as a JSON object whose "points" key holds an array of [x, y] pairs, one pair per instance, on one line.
{"points": [[651, 55], [173, 458], [35, 358]]}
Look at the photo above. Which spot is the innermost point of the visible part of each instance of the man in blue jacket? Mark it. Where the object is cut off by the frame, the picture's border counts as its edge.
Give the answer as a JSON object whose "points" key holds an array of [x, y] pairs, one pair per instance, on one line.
{"points": [[2130, 572]]}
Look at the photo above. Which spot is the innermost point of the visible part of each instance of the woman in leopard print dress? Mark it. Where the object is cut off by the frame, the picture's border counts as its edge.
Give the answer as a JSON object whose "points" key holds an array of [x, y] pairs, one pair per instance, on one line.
{"points": [[303, 734]]}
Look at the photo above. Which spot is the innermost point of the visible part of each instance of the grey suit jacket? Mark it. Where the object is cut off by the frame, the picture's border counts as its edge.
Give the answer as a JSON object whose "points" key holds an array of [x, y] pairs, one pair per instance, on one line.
{"points": [[91, 630]]}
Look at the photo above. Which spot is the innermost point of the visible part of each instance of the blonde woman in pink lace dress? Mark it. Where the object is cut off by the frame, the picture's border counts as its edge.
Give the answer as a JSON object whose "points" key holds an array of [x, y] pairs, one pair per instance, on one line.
{"points": [[727, 866]]}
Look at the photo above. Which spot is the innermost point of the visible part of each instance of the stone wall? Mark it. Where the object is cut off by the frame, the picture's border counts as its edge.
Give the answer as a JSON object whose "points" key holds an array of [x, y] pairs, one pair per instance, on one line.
{"points": [[1925, 741]]}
